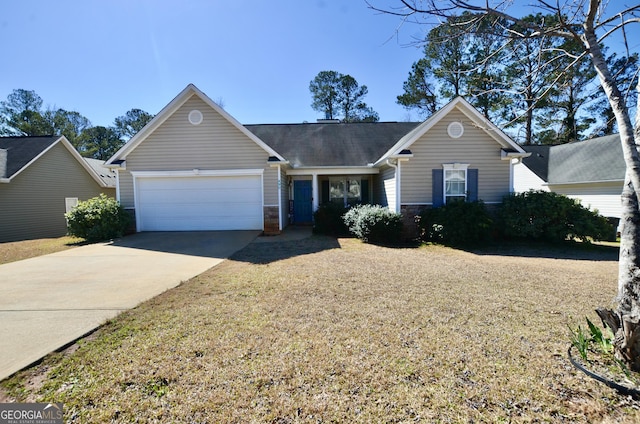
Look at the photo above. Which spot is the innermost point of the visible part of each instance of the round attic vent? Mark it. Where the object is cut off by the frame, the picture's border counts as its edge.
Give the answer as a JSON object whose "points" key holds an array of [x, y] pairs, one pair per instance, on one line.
{"points": [[195, 117], [455, 129]]}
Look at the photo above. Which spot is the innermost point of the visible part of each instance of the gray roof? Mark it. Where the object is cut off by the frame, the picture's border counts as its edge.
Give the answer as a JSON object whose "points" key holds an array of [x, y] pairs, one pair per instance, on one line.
{"points": [[107, 175], [538, 162], [332, 144], [22, 150], [595, 160], [598, 159]]}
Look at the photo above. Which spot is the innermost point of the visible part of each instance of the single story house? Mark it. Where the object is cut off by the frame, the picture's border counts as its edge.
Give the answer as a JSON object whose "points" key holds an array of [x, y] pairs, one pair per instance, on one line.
{"points": [[195, 167], [41, 178], [591, 171]]}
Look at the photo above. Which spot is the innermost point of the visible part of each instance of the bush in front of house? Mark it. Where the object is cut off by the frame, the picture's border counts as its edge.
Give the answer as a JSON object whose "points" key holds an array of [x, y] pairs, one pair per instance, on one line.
{"points": [[97, 219], [374, 224], [327, 219], [457, 223], [552, 217]]}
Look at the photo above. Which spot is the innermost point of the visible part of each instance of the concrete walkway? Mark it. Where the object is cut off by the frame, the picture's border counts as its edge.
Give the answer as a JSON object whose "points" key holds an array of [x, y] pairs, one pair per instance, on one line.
{"points": [[52, 300]]}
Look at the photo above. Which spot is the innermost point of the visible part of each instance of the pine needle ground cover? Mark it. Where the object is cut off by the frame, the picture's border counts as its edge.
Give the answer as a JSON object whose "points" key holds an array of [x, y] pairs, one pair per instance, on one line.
{"points": [[326, 330]]}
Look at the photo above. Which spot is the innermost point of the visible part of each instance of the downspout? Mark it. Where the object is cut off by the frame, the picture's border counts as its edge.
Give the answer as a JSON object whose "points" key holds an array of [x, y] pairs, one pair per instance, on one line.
{"points": [[280, 197], [397, 172]]}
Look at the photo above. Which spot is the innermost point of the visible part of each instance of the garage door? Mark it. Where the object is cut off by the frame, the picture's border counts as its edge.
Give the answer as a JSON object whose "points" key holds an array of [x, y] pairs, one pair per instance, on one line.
{"points": [[199, 203]]}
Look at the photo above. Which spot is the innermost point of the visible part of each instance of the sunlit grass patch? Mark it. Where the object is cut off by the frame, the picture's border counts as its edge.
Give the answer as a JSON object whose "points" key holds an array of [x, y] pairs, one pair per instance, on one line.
{"points": [[346, 332]]}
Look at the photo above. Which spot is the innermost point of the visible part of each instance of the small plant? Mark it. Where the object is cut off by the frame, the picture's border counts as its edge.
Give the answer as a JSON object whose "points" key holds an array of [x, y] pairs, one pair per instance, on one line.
{"points": [[580, 341], [374, 224], [99, 218]]}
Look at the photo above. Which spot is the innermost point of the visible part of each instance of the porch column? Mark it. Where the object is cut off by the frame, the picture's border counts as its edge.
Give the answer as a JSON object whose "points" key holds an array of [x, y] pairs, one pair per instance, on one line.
{"points": [[314, 191]]}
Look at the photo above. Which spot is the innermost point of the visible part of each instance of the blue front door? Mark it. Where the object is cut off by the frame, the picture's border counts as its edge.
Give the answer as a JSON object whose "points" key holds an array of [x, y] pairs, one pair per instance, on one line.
{"points": [[302, 203]]}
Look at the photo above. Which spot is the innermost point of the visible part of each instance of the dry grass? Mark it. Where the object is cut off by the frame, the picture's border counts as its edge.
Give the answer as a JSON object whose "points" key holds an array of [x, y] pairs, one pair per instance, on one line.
{"points": [[19, 250], [339, 331]]}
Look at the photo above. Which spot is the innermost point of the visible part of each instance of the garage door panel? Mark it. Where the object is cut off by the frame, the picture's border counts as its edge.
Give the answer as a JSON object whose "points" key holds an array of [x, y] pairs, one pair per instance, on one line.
{"points": [[200, 203]]}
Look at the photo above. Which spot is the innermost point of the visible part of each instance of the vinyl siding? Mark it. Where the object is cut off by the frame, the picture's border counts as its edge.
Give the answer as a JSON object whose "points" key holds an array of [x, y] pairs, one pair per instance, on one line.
{"points": [[215, 144], [435, 148], [284, 193], [605, 197], [385, 188], [525, 179], [32, 205]]}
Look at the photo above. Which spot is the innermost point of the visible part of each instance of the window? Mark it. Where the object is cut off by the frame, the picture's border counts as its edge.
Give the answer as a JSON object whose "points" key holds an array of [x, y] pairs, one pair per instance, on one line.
{"points": [[70, 203], [345, 191], [455, 182]]}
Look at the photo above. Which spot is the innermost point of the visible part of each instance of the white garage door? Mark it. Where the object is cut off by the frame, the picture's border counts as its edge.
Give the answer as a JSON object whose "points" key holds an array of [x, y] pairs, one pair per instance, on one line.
{"points": [[199, 203]]}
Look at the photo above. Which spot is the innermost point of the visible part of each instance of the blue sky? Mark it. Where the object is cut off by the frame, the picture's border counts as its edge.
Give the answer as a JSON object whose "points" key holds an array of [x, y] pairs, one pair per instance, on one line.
{"points": [[104, 57]]}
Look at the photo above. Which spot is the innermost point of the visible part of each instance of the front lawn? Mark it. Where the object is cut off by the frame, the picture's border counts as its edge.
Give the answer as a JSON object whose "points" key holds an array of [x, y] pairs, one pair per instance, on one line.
{"points": [[321, 330], [19, 250]]}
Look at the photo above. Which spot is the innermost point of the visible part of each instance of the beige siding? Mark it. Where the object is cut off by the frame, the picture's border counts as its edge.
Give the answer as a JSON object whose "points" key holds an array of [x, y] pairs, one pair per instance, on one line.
{"points": [[270, 180], [215, 144], [126, 188], [32, 205], [605, 197], [284, 193], [435, 148], [385, 188]]}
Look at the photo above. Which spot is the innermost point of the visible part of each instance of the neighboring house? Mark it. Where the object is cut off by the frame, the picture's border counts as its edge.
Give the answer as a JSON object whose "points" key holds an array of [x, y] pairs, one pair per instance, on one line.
{"points": [[194, 167], [591, 171], [41, 178]]}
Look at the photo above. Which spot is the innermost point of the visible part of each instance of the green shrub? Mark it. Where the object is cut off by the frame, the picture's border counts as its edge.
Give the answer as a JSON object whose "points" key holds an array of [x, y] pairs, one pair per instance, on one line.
{"points": [[328, 220], [456, 224], [548, 216], [374, 223], [97, 219]]}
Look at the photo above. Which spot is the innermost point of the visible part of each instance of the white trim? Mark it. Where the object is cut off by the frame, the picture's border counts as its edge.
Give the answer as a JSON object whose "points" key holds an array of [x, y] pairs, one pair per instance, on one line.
{"points": [[455, 129], [315, 193], [170, 109], [197, 173], [454, 167], [118, 185], [347, 170], [195, 117], [398, 187]]}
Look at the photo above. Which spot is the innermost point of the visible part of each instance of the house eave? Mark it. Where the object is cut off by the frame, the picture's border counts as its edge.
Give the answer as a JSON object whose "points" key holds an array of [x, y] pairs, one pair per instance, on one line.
{"points": [[334, 170], [505, 155]]}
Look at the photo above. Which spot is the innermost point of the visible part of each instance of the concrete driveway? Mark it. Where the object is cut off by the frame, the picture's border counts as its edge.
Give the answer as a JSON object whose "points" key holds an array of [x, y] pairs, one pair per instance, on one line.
{"points": [[52, 300]]}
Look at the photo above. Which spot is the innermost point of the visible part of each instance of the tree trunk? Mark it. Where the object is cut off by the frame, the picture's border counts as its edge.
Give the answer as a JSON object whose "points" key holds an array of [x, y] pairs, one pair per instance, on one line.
{"points": [[627, 342]]}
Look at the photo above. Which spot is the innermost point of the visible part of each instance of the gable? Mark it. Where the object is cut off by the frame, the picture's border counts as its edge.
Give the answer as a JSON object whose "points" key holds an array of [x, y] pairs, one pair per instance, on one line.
{"points": [[207, 108], [177, 144], [20, 153], [461, 111]]}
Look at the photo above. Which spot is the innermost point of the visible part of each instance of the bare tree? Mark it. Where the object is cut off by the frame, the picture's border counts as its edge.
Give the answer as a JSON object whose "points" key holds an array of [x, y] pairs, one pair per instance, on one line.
{"points": [[589, 23]]}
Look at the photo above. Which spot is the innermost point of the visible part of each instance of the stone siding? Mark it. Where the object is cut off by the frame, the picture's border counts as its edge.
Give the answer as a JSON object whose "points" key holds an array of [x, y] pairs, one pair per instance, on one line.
{"points": [[271, 220]]}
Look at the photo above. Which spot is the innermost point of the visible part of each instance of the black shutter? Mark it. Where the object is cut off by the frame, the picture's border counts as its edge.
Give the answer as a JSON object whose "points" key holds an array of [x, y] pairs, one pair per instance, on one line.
{"points": [[324, 196], [364, 191]]}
